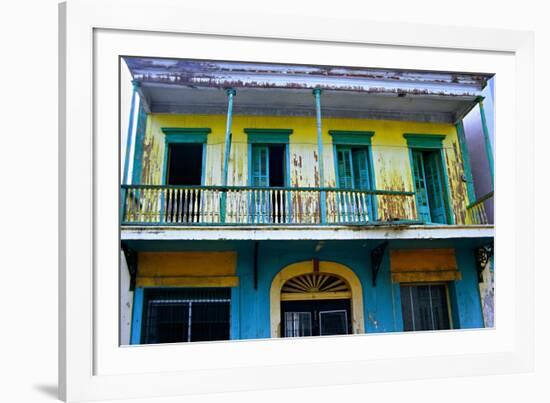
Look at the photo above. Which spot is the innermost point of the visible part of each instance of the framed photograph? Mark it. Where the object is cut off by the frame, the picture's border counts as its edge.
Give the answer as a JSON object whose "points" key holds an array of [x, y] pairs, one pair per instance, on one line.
{"points": [[246, 209]]}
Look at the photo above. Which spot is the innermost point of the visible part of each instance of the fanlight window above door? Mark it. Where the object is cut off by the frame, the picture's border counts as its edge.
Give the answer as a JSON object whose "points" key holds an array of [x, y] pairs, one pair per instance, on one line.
{"points": [[315, 286]]}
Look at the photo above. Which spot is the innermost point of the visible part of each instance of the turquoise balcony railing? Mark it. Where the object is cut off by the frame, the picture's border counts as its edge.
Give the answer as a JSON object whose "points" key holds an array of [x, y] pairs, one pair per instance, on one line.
{"points": [[242, 205], [477, 211]]}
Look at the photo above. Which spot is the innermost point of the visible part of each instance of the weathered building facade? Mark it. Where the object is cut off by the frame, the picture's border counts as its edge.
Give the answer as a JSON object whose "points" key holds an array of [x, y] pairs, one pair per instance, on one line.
{"points": [[263, 200]]}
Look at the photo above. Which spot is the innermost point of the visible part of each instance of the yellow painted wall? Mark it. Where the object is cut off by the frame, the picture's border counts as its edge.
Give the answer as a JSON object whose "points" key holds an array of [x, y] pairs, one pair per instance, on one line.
{"points": [[389, 148]]}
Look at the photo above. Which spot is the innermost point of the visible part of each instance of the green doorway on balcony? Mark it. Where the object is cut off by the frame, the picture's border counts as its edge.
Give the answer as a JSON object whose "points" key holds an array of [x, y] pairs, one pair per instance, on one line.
{"points": [[268, 162], [268, 170], [269, 175], [184, 168], [431, 184], [354, 176], [353, 172], [185, 164], [428, 182]]}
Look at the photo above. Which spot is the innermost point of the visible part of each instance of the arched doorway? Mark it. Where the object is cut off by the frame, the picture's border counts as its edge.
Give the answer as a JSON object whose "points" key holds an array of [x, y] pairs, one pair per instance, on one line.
{"points": [[316, 298]]}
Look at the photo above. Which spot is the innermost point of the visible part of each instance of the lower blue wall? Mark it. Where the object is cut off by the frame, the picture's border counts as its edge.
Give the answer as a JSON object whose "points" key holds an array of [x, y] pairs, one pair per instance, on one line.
{"points": [[467, 313], [250, 313]]}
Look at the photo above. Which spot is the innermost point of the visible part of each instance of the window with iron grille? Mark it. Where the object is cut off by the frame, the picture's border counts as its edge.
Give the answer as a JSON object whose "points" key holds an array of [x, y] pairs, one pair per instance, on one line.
{"points": [[173, 315], [425, 307]]}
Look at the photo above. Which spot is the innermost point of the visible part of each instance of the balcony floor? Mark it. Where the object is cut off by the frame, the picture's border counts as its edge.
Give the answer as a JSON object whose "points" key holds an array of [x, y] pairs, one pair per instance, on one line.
{"points": [[305, 232]]}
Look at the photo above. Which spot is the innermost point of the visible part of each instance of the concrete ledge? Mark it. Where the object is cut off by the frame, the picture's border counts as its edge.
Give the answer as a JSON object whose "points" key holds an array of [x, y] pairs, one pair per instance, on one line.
{"points": [[312, 232]]}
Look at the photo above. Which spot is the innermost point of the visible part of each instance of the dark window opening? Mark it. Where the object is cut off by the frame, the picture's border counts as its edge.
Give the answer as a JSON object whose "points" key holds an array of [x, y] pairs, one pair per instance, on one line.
{"points": [[173, 315], [276, 165], [184, 168], [185, 164], [424, 307], [315, 317]]}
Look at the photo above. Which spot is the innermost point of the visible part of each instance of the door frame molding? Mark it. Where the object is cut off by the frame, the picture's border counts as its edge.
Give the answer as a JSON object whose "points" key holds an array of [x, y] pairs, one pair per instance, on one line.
{"points": [[333, 268]]}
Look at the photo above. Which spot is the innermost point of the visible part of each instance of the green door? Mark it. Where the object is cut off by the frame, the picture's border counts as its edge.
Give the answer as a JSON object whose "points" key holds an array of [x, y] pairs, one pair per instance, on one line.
{"points": [[435, 187], [361, 175], [422, 204], [260, 166], [429, 186], [258, 200], [353, 173], [345, 170]]}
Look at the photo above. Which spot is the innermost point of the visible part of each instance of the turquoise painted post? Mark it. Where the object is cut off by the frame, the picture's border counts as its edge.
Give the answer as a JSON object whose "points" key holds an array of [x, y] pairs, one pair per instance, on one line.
{"points": [[317, 95], [129, 137], [466, 161], [230, 94], [123, 192], [137, 312], [235, 328], [138, 148], [488, 147]]}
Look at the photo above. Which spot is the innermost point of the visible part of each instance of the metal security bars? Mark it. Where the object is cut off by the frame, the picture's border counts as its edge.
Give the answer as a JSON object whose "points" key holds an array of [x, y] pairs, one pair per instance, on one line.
{"points": [[424, 307], [183, 315], [298, 324], [242, 205]]}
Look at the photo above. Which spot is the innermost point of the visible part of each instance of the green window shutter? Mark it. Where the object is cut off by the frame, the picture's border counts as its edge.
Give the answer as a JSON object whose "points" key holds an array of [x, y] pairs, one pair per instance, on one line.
{"points": [[345, 171], [260, 166], [434, 187], [354, 173], [361, 175], [258, 203], [361, 168], [422, 203]]}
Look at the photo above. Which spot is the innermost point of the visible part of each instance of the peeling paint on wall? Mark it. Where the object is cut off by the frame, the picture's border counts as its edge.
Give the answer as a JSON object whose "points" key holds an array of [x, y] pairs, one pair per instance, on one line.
{"points": [[126, 301], [392, 170], [457, 185], [153, 154], [487, 294]]}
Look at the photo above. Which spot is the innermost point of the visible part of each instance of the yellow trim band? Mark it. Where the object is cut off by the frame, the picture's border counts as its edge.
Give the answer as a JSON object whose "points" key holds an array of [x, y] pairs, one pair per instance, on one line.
{"points": [[215, 281], [294, 296]]}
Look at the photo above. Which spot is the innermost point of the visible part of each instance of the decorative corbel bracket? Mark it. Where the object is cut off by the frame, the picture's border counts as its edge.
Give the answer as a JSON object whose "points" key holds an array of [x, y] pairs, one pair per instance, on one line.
{"points": [[483, 255], [376, 257]]}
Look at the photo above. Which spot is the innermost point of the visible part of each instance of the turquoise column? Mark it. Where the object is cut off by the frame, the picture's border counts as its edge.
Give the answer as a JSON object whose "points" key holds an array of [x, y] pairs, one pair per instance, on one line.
{"points": [[137, 312], [488, 147], [230, 95], [122, 204], [129, 137], [317, 95], [466, 161]]}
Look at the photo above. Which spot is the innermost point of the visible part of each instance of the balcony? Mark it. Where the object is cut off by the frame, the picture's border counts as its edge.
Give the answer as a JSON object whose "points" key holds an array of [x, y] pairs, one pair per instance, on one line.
{"points": [[480, 212], [240, 205]]}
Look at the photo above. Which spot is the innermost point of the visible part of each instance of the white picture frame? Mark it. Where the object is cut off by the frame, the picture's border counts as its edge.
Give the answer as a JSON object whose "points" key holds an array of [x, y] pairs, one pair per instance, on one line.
{"points": [[93, 366]]}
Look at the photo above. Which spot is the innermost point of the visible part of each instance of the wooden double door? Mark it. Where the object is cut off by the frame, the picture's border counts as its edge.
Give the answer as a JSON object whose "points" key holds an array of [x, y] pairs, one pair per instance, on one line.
{"points": [[430, 186]]}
